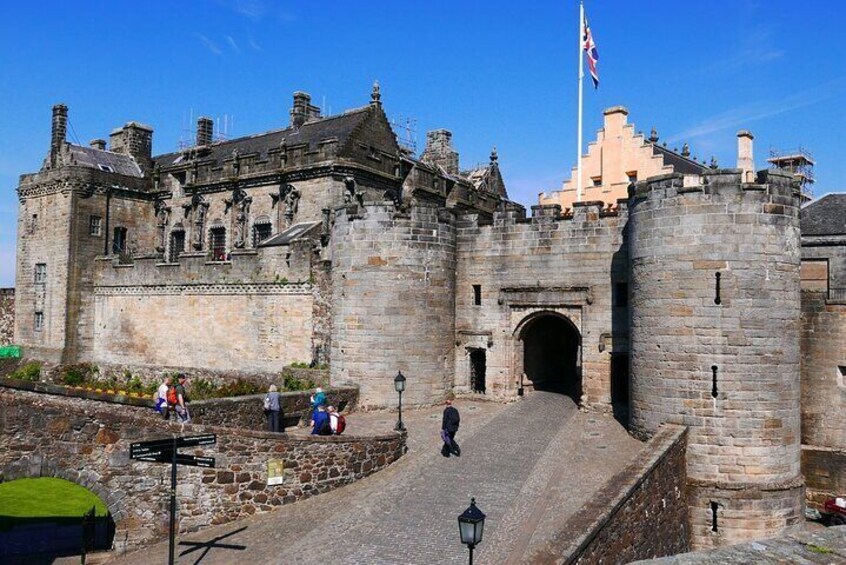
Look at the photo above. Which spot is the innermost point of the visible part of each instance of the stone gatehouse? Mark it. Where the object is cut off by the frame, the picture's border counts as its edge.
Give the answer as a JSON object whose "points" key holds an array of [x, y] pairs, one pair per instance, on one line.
{"points": [[327, 242]]}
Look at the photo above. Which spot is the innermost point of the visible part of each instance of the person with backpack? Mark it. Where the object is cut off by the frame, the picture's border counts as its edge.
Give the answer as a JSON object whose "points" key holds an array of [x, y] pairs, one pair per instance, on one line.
{"points": [[322, 426], [271, 408], [337, 422], [180, 396], [161, 398]]}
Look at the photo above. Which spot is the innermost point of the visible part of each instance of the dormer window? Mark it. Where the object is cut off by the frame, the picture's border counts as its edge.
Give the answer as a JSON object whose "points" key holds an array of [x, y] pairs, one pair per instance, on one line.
{"points": [[106, 168]]}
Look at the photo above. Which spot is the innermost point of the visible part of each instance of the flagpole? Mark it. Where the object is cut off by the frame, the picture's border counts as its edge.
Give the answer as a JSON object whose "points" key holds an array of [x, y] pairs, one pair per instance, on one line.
{"points": [[581, 78]]}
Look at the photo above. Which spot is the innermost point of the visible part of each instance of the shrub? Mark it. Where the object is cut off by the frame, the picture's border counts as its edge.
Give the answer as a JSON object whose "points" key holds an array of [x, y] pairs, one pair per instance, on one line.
{"points": [[292, 383], [29, 372]]}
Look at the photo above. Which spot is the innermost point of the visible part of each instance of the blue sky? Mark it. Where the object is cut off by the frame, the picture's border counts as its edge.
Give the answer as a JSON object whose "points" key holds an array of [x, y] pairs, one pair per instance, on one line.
{"points": [[495, 73]]}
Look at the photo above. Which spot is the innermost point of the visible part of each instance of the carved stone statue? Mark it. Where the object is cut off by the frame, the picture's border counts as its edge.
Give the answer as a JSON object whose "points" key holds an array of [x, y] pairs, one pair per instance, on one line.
{"points": [[197, 209], [292, 204], [162, 220]]}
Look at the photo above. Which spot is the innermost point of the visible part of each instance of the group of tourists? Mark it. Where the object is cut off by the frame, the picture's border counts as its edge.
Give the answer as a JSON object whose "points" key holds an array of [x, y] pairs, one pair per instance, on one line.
{"points": [[325, 419], [173, 398]]}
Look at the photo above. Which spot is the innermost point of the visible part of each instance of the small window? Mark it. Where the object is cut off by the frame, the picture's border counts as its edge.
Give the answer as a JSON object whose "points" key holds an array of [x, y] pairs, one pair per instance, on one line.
{"points": [[40, 273], [177, 245], [218, 244], [632, 176], [597, 181], [39, 321], [477, 294], [106, 168], [621, 294], [261, 232], [33, 223], [119, 241], [95, 226]]}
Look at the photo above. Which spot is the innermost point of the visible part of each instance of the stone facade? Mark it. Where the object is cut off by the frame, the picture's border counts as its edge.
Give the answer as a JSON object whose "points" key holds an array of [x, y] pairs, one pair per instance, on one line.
{"points": [[7, 316], [45, 435], [641, 513]]}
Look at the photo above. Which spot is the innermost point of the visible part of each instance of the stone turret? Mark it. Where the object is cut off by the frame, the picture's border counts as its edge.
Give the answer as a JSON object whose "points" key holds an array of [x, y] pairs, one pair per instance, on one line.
{"points": [[439, 151], [715, 344]]}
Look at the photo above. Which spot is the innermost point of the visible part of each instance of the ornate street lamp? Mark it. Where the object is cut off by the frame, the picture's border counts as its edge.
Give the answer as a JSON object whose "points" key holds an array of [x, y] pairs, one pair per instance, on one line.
{"points": [[399, 385], [471, 524]]}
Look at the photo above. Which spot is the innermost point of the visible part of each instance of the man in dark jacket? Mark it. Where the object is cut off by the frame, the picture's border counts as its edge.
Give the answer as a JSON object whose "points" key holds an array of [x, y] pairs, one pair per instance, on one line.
{"points": [[449, 426]]}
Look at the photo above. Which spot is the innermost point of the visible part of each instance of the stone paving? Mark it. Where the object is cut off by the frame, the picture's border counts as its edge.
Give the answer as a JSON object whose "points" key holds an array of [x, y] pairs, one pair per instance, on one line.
{"points": [[529, 465]]}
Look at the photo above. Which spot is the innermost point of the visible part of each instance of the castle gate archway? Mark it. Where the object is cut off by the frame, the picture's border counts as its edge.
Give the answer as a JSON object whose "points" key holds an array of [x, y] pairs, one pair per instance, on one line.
{"points": [[552, 354]]}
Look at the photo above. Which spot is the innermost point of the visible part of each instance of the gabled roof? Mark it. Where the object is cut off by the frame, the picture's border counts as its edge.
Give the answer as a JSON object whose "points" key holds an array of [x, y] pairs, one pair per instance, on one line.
{"points": [[680, 163], [339, 127], [826, 216], [102, 160]]}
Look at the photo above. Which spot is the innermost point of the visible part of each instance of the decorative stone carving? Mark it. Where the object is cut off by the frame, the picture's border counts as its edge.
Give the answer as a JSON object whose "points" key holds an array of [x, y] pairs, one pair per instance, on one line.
{"points": [[352, 193], [197, 210], [241, 202], [162, 219]]}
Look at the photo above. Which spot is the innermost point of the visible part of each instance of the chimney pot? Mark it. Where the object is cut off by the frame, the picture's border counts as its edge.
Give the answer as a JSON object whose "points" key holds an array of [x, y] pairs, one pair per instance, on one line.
{"points": [[98, 144], [745, 156], [59, 131]]}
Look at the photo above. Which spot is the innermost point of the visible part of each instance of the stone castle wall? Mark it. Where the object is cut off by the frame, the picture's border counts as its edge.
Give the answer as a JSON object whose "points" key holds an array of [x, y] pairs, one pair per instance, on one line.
{"points": [[727, 364], [567, 265], [7, 316], [393, 284], [640, 513], [45, 435]]}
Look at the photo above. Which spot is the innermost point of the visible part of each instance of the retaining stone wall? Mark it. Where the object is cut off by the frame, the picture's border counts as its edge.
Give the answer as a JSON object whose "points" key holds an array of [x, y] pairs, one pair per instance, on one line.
{"points": [[88, 443], [825, 474], [638, 514], [7, 316]]}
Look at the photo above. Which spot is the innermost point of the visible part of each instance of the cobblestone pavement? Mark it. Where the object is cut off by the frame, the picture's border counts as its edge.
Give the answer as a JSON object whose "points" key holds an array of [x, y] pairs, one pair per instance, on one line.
{"points": [[529, 465]]}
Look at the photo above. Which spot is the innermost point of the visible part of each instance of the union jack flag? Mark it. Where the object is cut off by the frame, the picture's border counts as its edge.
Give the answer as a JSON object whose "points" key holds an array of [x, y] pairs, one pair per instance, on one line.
{"points": [[592, 53]]}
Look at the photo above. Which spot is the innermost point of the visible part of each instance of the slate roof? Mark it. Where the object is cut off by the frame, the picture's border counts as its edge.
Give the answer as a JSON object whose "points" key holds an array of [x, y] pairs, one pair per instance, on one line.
{"points": [[103, 160], [339, 126], [826, 216], [680, 164]]}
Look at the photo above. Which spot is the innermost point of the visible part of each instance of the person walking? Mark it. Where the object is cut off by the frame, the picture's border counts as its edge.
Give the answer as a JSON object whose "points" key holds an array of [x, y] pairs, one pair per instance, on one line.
{"points": [[322, 426], [449, 427], [271, 408], [182, 399], [161, 397]]}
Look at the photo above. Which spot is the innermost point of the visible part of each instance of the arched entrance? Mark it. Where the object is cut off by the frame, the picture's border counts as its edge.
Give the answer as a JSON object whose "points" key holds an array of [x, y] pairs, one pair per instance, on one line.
{"points": [[551, 354]]}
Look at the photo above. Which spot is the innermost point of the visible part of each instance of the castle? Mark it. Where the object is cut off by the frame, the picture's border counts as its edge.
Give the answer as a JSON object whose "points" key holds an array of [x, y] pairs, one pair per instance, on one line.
{"points": [[327, 242]]}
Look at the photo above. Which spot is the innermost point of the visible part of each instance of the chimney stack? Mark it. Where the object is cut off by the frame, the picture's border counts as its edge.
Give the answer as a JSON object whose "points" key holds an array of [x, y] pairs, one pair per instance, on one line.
{"points": [[98, 144], [136, 140], [745, 158], [59, 131], [205, 131], [303, 110], [439, 151]]}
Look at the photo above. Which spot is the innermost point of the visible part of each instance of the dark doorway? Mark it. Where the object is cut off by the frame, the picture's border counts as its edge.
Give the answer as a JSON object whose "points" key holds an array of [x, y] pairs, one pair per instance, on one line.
{"points": [[119, 241], [551, 355], [477, 370], [620, 386]]}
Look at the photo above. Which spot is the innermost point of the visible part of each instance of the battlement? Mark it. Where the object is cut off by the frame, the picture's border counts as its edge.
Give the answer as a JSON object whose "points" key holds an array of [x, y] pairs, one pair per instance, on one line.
{"points": [[773, 185], [429, 212], [81, 178]]}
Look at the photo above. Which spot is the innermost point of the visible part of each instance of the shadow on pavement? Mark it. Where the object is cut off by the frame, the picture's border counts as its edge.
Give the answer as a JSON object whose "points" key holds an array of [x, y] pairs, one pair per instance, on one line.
{"points": [[207, 546]]}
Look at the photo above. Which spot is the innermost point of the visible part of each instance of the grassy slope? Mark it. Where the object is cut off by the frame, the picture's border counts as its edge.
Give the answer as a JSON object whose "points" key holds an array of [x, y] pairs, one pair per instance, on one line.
{"points": [[47, 497]]}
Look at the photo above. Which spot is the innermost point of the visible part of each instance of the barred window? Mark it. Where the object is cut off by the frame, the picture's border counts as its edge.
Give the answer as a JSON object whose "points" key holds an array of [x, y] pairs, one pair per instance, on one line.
{"points": [[261, 232], [39, 321], [40, 273], [218, 244], [95, 225]]}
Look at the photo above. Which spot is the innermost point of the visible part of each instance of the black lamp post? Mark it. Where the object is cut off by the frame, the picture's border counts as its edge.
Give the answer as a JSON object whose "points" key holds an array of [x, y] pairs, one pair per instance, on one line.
{"points": [[471, 524], [399, 385]]}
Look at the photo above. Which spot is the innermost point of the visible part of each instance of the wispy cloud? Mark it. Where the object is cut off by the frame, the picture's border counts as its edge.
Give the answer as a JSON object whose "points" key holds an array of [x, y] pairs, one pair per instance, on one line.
{"points": [[252, 9], [742, 115], [255, 45], [757, 47], [209, 44], [232, 44]]}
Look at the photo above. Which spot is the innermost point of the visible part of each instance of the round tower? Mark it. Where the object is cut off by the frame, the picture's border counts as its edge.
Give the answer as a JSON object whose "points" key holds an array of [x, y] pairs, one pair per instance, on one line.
{"points": [[715, 343], [393, 302]]}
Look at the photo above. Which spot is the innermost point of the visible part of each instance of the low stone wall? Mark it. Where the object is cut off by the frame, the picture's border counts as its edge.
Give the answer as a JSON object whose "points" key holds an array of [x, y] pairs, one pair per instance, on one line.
{"points": [[7, 316], [825, 474], [248, 411], [87, 442], [639, 514]]}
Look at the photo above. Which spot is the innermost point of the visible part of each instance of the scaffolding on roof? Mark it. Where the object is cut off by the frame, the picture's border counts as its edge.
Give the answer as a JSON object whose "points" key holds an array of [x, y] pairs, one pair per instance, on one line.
{"points": [[798, 161]]}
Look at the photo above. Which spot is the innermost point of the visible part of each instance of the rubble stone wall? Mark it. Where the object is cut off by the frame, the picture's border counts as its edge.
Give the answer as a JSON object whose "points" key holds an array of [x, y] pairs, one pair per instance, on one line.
{"points": [[87, 442]]}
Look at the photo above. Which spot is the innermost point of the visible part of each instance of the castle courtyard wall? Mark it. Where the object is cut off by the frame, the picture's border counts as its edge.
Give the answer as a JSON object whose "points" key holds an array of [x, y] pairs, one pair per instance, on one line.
{"points": [[7, 316]]}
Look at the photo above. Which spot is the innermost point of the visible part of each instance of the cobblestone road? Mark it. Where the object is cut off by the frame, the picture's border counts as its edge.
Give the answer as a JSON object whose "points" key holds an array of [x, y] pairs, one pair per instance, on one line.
{"points": [[529, 465]]}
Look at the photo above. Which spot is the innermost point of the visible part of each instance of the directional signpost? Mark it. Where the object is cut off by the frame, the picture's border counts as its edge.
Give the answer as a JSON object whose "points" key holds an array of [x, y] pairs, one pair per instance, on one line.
{"points": [[167, 451]]}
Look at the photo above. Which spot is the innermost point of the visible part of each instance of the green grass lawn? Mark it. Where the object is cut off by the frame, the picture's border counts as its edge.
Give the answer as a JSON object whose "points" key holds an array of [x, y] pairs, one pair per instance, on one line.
{"points": [[46, 497]]}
